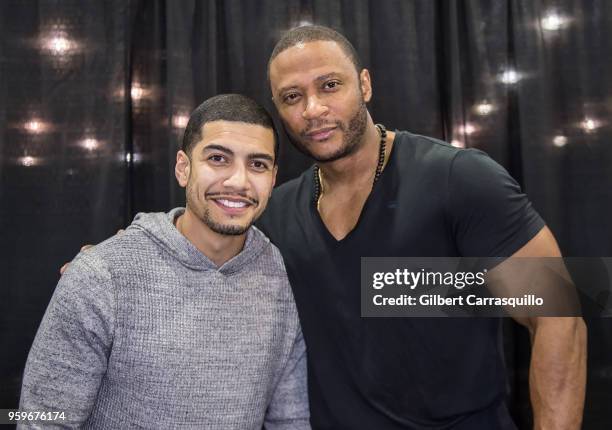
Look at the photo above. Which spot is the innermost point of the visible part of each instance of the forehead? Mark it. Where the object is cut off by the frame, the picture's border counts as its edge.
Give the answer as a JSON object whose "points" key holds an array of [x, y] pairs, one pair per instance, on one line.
{"points": [[238, 136], [306, 61]]}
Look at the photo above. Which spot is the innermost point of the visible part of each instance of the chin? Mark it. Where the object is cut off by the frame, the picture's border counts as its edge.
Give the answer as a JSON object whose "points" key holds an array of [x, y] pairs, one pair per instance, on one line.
{"points": [[330, 156], [226, 225], [333, 150], [229, 229]]}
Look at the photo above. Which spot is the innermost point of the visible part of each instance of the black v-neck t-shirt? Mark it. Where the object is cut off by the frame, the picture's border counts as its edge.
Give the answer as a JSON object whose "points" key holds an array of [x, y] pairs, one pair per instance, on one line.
{"points": [[432, 200]]}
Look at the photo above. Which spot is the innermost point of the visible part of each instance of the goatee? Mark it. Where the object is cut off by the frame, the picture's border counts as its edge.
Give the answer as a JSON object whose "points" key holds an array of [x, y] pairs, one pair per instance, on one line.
{"points": [[353, 137]]}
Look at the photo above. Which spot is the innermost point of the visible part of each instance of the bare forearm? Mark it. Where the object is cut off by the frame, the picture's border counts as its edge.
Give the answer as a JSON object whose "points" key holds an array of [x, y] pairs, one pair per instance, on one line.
{"points": [[557, 375]]}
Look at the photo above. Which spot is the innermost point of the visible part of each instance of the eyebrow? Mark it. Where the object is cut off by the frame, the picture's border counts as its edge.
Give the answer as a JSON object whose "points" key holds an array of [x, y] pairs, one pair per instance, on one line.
{"points": [[221, 148], [261, 156], [317, 79], [326, 77], [253, 156]]}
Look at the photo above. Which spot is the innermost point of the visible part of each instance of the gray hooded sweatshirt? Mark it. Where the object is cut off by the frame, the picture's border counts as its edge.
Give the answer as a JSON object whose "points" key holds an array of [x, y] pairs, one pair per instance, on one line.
{"points": [[144, 331]]}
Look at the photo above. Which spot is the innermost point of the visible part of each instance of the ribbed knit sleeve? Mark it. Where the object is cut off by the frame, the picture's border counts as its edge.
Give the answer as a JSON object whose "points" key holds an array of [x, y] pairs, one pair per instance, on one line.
{"points": [[69, 355], [289, 406]]}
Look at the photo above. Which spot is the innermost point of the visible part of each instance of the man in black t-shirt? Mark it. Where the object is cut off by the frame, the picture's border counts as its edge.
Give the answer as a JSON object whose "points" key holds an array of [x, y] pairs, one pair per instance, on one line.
{"points": [[378, 193]]}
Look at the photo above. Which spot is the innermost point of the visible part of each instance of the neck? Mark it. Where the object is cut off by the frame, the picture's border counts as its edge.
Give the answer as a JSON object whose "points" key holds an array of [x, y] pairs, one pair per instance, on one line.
{"points": [[350, 170], [219, 248]]}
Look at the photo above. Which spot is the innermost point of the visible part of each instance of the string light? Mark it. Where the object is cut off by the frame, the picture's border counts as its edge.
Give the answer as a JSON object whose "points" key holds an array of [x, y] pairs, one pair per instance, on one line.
{"points": [[553, 22], [35, 126], [589, 125], [560, 141], [134, 158], [484, 108], [137, 92], [467, 129], [27, 161], [510, 77], [180, 120], [90, 144], [58, 44]]}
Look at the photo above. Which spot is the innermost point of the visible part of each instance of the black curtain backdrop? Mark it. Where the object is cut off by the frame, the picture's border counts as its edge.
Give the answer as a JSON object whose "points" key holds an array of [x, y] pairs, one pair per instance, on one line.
{"points": [[94, 96]]}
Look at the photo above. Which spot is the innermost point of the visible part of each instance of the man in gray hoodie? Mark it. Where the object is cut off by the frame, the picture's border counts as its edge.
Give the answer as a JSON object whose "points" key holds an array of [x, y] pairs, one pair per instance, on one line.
{"points": [[187, 319]]}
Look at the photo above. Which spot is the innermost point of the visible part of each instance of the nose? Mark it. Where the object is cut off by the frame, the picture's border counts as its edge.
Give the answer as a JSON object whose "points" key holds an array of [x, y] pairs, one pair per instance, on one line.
{"points": [[314, 108], [238, 179]]}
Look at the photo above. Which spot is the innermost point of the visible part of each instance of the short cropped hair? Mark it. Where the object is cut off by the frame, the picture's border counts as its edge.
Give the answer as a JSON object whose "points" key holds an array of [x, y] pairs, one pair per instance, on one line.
{"points": [[226, 107], [315, 33]]}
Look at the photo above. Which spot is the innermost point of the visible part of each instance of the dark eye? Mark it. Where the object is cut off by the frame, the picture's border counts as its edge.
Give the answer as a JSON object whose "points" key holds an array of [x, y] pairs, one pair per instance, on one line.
{"points": [[330, 85], [259, 166], [217, 158], [291, 98]]}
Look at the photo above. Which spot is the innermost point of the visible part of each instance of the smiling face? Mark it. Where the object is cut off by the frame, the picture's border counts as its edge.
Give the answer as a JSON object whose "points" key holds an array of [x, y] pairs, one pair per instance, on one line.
{"points": [[229, 175], [321, 99]]}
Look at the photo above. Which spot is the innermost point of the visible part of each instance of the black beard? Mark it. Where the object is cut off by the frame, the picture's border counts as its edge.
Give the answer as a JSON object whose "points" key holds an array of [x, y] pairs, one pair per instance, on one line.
{"points": [[353, 138], [224, 229], [204, 216]]}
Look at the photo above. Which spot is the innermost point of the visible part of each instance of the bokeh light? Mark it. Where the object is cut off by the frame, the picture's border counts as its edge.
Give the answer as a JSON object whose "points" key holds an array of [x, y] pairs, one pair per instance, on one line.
{"points": [[560, 141], [484, 108], [510, 77], [180, 120], [467, 128], [552, 21], [90, 144], [36, 126]]}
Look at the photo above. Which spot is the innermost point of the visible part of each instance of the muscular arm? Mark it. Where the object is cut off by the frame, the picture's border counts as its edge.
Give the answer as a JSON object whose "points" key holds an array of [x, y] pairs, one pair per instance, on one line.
{"points": [[557, 372], [490, 216]]}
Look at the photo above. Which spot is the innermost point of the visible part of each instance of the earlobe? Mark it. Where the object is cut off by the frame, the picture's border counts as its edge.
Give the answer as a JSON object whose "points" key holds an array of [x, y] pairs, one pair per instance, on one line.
{"points": [[366, 85], [181, 170]]}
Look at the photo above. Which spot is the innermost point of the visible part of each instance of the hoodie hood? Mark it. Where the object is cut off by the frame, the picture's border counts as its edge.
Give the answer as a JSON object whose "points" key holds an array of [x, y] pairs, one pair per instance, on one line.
{"points": [[160, 228]]}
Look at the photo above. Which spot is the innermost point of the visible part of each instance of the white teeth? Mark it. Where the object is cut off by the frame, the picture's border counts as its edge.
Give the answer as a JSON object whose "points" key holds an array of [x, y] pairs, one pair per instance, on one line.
{"points": [[231, 204]]}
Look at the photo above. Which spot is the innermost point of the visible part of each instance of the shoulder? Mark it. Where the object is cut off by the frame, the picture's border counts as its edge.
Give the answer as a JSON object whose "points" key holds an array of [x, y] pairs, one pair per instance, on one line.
{"points": [[90, 264], [101, 263], [288, 201], [475, 159], [417, 153], [489, 213], [473, 171], [87, 283], [126, 246], [441, 158], [424, 145], [269, 258], [291, 190]]}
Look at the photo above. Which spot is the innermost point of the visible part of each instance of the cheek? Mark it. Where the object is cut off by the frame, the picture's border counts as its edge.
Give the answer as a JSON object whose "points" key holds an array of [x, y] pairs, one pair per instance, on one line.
{"points": [[207, 180], [263, 187], [192, 188], [293, 120], [197, 189]]}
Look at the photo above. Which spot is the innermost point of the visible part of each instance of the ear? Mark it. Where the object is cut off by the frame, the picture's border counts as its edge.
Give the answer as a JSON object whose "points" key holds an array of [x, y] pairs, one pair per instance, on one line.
{"points": [[182, 168], [274, 177], [366, 85], [275, 103]]}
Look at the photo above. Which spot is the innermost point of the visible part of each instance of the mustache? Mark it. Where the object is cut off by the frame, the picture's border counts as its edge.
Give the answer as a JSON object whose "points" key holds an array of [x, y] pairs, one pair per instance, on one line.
{"points": [[251, 200], [314, 125]]}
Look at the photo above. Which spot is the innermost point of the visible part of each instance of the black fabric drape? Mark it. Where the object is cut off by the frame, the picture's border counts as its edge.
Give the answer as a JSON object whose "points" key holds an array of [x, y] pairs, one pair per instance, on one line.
{"points": [[95, 96]]}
